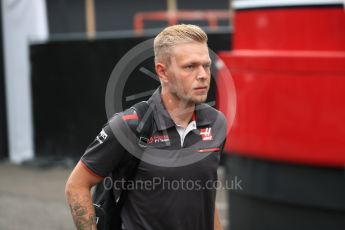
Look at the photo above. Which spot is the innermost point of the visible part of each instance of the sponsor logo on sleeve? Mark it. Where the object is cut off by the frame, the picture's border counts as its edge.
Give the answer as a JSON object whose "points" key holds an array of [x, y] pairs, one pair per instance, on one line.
{"points": [[102, 136]]}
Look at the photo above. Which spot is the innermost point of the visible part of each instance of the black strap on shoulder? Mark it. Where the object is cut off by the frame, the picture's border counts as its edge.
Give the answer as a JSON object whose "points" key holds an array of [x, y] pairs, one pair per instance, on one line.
{"points": [[108, 203], [144, 113], [143, 130]]}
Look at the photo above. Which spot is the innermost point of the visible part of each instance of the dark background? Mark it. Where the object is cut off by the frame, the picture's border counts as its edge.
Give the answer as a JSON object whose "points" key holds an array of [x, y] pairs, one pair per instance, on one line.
{"points": [[69, 80], [66, 16], [79, 68]]}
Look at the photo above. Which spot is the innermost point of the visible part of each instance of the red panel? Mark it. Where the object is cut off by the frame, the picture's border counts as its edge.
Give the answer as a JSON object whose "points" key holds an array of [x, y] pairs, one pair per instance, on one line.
{"points": [[288, 67], [307, 62], [289, 108], [305, 28]]}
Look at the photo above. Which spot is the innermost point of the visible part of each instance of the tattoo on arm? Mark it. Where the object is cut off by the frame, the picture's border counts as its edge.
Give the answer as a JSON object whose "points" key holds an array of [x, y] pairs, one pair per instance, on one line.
{"points": [[83, 217]]}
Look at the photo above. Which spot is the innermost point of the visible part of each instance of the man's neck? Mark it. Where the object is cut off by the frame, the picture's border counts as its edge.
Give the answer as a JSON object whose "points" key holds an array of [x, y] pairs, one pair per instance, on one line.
{"points": [[180, 111]]}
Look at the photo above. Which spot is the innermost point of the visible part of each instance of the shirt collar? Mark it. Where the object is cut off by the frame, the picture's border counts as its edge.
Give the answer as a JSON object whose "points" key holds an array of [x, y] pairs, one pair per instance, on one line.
{"points": [[163, 118]]}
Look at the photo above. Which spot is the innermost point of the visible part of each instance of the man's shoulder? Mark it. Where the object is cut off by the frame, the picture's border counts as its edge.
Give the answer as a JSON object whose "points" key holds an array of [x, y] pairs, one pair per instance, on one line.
{"points": [[126, 115], [131, 116]]}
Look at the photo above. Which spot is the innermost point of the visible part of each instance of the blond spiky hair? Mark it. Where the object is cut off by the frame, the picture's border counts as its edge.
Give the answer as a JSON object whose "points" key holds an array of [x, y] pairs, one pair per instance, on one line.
{"points": [[174, 35]]}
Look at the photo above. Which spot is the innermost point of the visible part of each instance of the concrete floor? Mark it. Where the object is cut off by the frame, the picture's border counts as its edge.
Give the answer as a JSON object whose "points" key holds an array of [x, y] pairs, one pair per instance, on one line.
{"points": [[33, 198]]}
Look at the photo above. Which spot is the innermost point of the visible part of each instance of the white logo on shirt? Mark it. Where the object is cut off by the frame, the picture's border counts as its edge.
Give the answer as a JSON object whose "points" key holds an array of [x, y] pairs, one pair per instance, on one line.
{"points": [[102, 136], [206, 134]]}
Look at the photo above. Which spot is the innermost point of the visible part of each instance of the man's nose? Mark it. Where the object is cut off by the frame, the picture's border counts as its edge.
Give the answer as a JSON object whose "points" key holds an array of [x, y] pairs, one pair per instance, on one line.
{"points": [[202, 73]]}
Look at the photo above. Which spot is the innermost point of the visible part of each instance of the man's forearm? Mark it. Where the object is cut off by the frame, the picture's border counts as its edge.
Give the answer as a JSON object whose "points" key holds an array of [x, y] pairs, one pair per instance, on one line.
{"points": [[82, 210], [217, 224]]}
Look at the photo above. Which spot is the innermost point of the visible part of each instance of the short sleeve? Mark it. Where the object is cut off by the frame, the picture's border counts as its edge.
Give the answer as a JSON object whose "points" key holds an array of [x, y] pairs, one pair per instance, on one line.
{"points": [[105, 153]]}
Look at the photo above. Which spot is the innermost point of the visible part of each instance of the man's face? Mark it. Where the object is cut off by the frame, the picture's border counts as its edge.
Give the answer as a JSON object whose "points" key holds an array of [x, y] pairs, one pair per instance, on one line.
{"points": [[188, 72]]}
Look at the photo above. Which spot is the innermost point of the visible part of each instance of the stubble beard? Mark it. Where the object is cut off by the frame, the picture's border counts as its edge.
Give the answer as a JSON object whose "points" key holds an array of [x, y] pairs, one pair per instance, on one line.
{"points": [[187, 98], [199, 99], [190, 99]]}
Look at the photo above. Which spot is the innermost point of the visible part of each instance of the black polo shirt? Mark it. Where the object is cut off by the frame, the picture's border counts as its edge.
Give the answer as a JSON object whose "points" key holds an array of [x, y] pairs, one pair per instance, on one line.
{"points": [[174, 186]]}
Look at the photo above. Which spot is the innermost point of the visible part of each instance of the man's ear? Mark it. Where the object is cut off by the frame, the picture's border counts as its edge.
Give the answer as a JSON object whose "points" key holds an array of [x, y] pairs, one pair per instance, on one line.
{"points": [[161, 71]]}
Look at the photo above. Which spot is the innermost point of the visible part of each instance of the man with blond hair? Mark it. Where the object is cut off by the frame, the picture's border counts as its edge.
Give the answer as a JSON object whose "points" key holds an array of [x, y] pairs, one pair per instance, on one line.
{"points": [[187, 134]]}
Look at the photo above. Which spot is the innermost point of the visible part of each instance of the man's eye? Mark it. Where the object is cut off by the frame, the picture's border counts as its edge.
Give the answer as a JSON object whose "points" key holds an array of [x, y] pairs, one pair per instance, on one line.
{"points": [[189, 67], [207, 66]]}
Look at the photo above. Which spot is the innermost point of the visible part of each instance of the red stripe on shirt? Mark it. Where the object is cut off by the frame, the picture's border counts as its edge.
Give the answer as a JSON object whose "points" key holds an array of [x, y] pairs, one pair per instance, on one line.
{"points": [[208, 150], [130, 117], [90, 170]]}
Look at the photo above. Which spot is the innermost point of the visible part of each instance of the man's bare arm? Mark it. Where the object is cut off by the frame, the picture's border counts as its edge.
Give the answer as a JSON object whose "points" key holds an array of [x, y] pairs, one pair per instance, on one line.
{"points": [[217, 224], [79, 199]]}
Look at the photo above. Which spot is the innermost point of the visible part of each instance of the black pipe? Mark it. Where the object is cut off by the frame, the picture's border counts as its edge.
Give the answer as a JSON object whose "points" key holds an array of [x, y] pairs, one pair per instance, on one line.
{"points": [[3, 118]]}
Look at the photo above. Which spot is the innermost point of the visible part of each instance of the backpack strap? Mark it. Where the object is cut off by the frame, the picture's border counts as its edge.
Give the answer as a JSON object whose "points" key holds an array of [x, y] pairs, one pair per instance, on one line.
{"points": [[142, 129], [108, 203]]}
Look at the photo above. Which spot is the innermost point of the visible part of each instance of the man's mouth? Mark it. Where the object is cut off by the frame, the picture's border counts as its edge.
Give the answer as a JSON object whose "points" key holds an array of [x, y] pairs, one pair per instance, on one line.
{"points": [[201, 88]]}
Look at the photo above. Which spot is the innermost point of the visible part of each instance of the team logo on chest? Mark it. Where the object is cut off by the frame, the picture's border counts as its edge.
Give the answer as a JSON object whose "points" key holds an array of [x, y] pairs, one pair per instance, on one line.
{"points": [[158, 139], [206, 134]]}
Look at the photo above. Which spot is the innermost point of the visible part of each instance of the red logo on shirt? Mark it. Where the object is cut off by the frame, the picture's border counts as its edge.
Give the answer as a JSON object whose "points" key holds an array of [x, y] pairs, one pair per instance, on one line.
{"points": [[206, 134], [158, 138]]}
